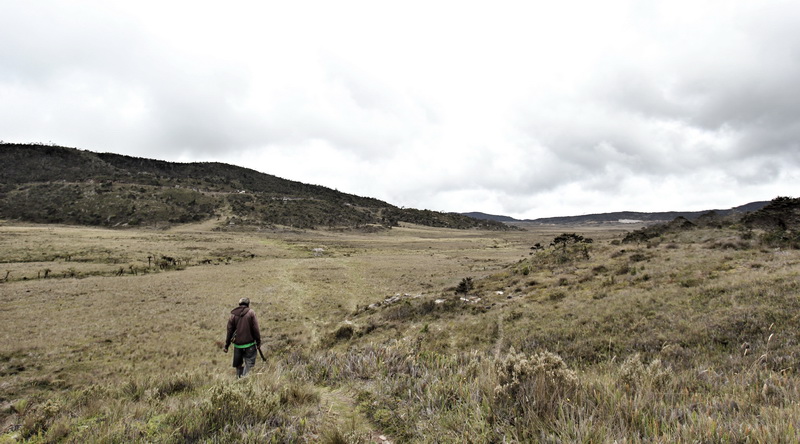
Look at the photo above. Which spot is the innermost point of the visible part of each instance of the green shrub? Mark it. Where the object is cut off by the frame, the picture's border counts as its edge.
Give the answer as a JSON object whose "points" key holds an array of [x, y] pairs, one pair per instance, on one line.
{"points": [[465, 286]]}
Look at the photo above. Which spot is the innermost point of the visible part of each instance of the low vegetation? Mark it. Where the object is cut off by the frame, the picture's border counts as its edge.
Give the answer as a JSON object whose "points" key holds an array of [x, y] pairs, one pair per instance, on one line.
{"points": [[414, 334]]}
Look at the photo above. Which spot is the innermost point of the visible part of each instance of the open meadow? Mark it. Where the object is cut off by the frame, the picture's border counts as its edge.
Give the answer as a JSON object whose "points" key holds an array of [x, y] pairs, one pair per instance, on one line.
{"points": [[409, 334]]}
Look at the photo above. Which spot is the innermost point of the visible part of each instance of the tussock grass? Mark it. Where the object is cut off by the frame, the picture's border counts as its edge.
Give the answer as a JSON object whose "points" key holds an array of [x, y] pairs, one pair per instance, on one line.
{"points": [[423, 396], [186, 407], [691, 336]]}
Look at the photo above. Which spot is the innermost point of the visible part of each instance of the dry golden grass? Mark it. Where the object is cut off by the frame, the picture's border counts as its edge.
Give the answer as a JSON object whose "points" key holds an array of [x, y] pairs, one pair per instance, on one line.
{"points": [[85, 325], [691, 337]]}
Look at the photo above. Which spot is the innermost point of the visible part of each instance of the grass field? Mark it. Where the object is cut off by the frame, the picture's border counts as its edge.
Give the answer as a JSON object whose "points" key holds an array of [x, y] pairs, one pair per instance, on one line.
{"points": [[114, 336]]}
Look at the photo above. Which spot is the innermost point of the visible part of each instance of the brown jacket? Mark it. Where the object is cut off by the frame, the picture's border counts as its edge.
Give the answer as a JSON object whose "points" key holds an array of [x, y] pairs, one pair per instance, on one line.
{"points": [[243, 327]]}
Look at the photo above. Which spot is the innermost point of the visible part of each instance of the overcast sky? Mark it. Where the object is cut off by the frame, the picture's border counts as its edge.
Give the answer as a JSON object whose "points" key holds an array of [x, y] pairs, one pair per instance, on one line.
{"points": [[528, 109]]}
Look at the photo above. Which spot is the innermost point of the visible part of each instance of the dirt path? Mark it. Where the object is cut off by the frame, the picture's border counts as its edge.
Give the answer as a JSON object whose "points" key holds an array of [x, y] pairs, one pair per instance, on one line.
{"points": [[341, 413], [207, 225], [501, 334]]}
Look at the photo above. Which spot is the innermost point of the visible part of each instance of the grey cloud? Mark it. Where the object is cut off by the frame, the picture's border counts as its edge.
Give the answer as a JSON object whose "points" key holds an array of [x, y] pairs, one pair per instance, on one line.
{"points": [[744, 84], [715, 115], [634, 90], [749, 104], [585, 140], [44, 42], [198, 111], [362, 113], [78, 62], [754, 171], [347, 110]]}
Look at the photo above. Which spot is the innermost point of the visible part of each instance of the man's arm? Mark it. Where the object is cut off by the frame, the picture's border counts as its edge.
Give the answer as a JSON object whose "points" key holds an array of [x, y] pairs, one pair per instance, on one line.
{"points": [[229, 336], [255, 331]]}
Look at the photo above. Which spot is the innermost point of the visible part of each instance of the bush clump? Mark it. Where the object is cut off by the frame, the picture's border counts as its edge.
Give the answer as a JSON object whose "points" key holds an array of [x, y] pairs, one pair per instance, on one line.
{"points": [[634, 373], [465, 286], [533, 388]]}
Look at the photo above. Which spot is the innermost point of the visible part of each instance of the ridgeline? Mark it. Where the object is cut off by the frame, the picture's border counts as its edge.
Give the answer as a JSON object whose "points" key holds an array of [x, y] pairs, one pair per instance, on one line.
{"points": [[53, 184]]}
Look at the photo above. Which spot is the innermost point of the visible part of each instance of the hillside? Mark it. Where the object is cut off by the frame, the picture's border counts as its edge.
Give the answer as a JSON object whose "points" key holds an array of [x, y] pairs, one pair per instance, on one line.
{"points": [[617, 216], [656, 339], [485, 216], [661, 261], [52, 184]]}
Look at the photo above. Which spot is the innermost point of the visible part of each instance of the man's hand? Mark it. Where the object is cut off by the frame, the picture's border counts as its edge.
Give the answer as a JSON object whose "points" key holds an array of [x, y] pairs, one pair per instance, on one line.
{"points": [[225, 349]]}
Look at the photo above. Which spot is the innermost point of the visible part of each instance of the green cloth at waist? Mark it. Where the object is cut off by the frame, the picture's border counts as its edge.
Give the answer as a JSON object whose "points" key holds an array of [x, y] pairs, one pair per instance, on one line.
{"points": [[244, 345]]}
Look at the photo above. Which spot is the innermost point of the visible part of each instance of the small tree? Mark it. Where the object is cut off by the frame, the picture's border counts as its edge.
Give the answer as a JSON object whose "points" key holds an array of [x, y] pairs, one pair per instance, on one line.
{"points": [[564, 240], [465, 286]]}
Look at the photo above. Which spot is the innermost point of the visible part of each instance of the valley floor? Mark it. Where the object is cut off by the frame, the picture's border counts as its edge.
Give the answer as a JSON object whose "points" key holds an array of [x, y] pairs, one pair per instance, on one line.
{"points": [[114, 335]]}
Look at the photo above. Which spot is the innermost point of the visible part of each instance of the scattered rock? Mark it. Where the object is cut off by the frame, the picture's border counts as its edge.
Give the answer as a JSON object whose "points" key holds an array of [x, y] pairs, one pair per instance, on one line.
{"points": [[392, 300]]}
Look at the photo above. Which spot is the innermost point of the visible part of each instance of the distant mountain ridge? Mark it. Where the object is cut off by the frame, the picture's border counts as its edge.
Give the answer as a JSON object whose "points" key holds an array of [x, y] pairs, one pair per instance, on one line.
{"points": [[495, 217], [622, 216], [53, 184]]}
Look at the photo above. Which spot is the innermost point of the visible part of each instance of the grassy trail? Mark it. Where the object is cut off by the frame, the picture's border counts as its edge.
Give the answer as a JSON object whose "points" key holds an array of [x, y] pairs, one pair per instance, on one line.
{"points": [[341, 413]]}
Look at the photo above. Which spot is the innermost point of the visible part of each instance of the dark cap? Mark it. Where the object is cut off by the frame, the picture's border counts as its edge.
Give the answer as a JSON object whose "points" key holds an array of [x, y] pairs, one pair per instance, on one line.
{"points": [[244, 301]]}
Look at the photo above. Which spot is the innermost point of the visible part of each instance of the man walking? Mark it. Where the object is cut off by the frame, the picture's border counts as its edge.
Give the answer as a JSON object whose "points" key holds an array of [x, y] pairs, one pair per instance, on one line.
{"points": [[243, 332]]}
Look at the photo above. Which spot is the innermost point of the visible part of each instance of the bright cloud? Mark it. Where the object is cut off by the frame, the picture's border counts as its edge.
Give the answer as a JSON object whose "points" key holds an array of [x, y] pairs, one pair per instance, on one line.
{"points": [[528, 109]]}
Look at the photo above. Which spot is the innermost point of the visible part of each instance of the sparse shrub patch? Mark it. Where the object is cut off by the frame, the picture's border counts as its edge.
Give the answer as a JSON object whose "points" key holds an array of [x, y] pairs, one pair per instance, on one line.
{"points": [[634, 373], [695, 343], [532, 390]]}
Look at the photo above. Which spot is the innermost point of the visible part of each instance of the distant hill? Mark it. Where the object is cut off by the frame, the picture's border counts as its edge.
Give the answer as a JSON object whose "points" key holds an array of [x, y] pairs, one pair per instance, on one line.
{"points": [[484, 216], [780, 219], [618, 216], [53, 184]]}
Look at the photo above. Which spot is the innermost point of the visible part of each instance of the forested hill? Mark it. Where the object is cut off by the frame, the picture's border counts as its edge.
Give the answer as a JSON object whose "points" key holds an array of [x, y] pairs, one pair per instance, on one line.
{"points": [[52, 184]]}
